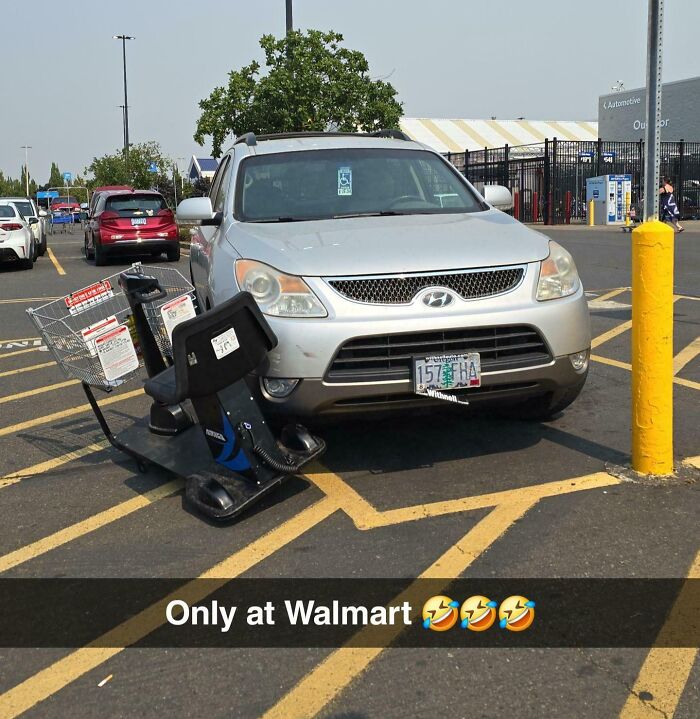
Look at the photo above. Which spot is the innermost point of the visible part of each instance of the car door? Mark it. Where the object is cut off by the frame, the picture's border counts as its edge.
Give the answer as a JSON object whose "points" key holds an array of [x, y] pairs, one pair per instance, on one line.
{"points": [[206, 237]]}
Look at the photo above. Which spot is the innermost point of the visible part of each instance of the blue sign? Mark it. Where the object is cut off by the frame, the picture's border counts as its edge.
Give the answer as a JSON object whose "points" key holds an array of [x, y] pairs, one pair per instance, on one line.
{"points": [[67, 177], [596, 194], [47, 195], [608, 157], [153, 167], [586, 156]]}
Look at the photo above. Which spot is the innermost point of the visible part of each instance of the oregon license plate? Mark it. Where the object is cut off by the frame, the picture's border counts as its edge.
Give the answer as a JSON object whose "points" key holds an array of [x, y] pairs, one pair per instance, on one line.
{"points": [[138, 220], [446, 372]]}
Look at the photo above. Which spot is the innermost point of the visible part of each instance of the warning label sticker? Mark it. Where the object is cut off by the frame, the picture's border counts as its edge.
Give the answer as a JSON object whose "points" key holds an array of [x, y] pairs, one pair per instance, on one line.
{"points": [[89, 297]]}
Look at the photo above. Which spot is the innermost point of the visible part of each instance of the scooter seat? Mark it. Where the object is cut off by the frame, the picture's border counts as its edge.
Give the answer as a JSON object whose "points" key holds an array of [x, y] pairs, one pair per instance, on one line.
{"points": [[163, 388]]}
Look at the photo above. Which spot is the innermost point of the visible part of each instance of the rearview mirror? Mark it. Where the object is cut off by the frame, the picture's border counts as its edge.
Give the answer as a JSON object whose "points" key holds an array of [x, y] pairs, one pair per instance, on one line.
{"points": [[498, 196]]}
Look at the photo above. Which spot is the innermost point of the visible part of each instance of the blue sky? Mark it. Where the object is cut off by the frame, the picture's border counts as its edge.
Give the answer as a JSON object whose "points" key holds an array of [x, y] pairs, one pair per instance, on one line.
{"points": [[544, 59]]}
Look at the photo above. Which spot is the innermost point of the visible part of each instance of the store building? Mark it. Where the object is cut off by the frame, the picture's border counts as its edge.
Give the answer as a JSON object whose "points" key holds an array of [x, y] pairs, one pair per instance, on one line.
{"points": [[622, 115]]}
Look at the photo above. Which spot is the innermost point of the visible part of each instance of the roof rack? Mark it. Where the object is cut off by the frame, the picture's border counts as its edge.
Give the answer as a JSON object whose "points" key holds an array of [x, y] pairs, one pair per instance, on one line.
{"points": [[393, 134], [251, 139]]}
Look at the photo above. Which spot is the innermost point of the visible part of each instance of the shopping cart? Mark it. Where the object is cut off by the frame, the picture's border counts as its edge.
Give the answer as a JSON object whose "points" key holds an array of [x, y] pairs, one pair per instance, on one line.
{"points": [[74, 327], [61, 218]]}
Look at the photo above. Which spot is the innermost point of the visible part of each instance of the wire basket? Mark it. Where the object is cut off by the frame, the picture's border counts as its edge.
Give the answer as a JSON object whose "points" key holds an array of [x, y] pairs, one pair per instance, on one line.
{"points": [[70, 325]]}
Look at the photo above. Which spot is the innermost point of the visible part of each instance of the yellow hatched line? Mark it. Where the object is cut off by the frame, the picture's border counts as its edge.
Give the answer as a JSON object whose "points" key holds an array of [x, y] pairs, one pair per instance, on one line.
{"points": [[39, 390], [13, 428], [666, 669], [614, 332], [10, 479], [686, 355], [92, 523], [55, 262], [20, 352], [626, 365], [339, 669], [31, 368], [55, 677], [611, 294]]}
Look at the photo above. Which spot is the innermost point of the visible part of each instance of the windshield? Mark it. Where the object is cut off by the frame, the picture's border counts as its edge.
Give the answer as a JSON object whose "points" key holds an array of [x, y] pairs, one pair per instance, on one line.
{"points": [[64, 200], [25, 209], [7, 211], [326, 184], [136, 205]]}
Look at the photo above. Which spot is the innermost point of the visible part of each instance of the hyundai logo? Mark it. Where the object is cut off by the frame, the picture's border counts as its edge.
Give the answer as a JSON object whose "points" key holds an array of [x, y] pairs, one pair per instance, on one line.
{"points": [[438, 298]]}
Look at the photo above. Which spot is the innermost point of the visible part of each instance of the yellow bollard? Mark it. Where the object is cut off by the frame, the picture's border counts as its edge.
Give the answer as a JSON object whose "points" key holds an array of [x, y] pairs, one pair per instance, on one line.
{"points": [[652, 348], [628, 204], [591, 205]]}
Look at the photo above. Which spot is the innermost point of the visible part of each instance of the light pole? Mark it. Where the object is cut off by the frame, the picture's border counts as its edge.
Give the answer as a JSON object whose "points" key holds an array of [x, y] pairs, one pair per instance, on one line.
{"points": [[26, 149], [124, 38], [290, 24], [123, 122]]}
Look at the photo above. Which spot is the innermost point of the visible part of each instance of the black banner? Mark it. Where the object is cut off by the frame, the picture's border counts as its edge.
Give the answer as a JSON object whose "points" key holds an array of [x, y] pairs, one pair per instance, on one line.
{"points": [[361, 612]]}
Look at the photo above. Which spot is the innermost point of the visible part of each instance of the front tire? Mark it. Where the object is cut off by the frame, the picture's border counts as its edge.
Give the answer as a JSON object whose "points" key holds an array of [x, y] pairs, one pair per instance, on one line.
{"points": [[42, 247], [89, 254]]}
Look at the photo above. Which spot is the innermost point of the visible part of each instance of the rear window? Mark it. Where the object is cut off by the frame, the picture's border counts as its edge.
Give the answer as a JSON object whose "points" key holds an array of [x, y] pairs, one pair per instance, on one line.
{"points": [[7, 211], [135, 205]]}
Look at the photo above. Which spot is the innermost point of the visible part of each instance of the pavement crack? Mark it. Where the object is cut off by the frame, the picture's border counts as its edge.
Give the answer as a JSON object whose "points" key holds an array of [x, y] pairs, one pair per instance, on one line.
{"points": [[630, 689]]}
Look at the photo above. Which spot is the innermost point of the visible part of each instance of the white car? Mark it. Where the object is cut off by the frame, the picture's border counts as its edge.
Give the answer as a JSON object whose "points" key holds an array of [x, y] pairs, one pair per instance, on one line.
{"points": [[16, 239], [29, 211]]}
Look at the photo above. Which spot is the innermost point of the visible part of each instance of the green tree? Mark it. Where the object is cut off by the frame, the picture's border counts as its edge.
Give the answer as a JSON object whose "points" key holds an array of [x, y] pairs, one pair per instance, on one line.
{"points": [[55, 177], [133, 170], [312, 83]]}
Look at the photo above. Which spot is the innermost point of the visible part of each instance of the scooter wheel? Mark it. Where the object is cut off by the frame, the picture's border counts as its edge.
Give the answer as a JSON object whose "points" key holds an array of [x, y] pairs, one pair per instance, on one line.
{"points": [[143, 467]]}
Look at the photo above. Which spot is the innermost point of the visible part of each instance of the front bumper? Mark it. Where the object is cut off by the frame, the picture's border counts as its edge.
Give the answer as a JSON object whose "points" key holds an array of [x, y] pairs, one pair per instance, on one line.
{"points": [[317, 397]]}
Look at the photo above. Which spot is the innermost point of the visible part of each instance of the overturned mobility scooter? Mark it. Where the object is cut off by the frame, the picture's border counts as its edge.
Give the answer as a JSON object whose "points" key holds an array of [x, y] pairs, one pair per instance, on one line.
{"points": [[204, 424]]}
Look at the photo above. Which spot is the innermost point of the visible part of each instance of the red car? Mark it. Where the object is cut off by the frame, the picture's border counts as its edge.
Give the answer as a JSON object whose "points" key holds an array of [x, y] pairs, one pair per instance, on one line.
{"points": [[130, 223], [65, 202]]}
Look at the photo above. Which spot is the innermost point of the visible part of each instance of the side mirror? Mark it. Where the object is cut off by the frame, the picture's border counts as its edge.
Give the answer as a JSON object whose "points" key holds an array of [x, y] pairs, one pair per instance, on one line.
{"points": [[196, 209], [33, 220], [498, 196], [43, 213], [84, 206]]}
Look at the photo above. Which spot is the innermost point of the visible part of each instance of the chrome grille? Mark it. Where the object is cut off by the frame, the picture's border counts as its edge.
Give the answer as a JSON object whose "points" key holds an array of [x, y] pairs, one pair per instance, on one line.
{"points": [[390, 357], [401, 289]]}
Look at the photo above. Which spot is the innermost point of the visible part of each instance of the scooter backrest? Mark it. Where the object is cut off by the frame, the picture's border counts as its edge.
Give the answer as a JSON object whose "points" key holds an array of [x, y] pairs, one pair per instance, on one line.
{"points": [[221, 346]]}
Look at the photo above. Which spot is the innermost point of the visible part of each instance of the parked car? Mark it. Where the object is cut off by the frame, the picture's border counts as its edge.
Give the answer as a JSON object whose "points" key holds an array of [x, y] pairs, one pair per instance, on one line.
{"points": [[131, 222], [64, 202], [29, 211], [379, 291], [17, 242]]}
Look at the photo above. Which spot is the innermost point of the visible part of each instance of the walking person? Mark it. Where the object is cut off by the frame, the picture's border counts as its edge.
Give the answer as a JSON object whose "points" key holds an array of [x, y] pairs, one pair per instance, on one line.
{"points": [[668, 209]]}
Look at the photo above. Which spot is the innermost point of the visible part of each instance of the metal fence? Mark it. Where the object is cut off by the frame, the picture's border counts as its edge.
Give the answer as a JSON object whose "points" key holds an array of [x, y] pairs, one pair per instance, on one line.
{"points": [[548, 180]]}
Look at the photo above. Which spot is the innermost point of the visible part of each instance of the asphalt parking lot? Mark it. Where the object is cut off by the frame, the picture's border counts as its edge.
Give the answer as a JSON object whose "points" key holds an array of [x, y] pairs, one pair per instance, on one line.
{"points": [[444, 495]]}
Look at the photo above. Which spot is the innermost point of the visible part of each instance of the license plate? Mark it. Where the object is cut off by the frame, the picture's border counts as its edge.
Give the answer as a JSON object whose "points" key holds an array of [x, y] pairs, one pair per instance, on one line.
{"points": [[138, 220], [446, 372]]}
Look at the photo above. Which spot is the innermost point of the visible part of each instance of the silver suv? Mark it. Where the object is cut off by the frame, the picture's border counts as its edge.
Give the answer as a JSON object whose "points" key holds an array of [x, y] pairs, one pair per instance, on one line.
{"points": [[388, 279]]}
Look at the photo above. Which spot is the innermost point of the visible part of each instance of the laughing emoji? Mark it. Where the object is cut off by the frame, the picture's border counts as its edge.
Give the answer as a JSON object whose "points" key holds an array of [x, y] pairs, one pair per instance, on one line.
{"points": [[516, 613], [478, 613], [440, 613]]}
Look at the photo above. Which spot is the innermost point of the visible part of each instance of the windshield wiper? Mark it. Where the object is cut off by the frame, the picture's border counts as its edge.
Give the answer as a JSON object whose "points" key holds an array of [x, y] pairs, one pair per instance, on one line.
{"points": [[286, 218]]}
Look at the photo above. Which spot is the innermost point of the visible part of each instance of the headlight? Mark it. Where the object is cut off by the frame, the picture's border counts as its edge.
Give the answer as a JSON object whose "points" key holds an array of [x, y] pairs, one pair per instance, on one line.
{"points": [[277, 293], [558, 275]]}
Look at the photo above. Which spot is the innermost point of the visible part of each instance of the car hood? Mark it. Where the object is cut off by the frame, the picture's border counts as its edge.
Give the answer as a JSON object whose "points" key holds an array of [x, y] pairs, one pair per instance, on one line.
{"points": [[378, 245]]}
